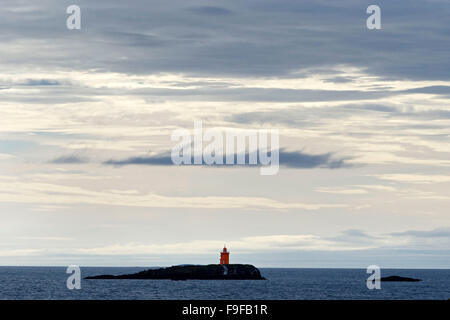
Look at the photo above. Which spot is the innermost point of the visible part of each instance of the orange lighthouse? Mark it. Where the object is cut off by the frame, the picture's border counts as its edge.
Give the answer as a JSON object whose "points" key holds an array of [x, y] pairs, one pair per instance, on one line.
{"points": [[224, 256]]}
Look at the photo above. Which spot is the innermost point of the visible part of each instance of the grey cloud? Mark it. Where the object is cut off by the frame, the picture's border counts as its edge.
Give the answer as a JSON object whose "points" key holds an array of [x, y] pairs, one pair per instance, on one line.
{"points": [[297, 159], [56, 99], [259, 38], [70, 159], [394, 112], [42, 82], [161, 160], [444, 90], [290, 159], [265, 95], [370, 107], [353, 236], [136, 39], [339, 80], [52, 92], [211, 11], [210, 92], [435, 233], [356, 233], [299, 116]]}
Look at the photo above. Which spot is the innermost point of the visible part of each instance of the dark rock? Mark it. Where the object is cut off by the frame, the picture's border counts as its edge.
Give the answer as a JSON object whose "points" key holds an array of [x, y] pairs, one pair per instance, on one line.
{"points": [[399, 279], [197, 272]]}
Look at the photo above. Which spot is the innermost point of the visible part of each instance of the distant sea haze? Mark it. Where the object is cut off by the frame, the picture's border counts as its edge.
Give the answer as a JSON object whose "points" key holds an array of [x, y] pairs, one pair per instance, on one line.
{"points": [[38, 283]]}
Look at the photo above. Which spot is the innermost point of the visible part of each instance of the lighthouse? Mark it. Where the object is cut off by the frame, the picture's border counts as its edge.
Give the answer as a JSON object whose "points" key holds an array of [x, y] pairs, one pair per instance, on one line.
{"points": [[225, 256]]}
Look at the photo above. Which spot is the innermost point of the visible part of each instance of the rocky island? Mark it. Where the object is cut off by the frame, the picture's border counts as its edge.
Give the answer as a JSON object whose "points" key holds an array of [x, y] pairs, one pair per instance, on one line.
{"points": [[194, 272], [399, 279]]}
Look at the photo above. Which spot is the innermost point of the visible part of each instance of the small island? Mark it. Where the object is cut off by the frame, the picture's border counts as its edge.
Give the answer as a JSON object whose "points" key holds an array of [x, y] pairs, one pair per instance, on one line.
{"points": [[399, 279], [194, 272], [222, 271]]}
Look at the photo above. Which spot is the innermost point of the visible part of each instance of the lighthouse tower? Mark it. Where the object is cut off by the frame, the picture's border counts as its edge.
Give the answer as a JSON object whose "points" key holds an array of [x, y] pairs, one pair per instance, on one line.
{"points": [[225, 256]]}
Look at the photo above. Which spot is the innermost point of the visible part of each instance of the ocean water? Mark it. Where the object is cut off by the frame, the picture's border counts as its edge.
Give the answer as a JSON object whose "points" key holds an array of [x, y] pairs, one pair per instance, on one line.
{"points": [[50, 283]]}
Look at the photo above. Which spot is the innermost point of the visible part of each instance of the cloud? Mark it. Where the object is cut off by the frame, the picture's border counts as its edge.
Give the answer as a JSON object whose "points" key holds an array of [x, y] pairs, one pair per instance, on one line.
{"points": [[356, 233], [435, 233], [279, 242], [70, 159], [50, 208], [6, 156], [42, 82], [356, 236], [444, 90], [20, 252], [355, 246], [211, 11], [289, 159], [158, 160], [349, 240], [339, 79], [414, 178], [268, 94], [341, 190], [12, 190], [299, 34], [298, 159]]}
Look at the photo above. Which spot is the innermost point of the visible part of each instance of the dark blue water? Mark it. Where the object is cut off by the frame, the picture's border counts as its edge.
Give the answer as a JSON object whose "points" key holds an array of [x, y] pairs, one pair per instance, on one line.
{"points": [[50, 283]]}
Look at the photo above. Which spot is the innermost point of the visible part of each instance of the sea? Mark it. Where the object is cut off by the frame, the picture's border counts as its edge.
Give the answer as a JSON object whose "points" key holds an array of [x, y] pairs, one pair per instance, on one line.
{"points": [[43, 283]]}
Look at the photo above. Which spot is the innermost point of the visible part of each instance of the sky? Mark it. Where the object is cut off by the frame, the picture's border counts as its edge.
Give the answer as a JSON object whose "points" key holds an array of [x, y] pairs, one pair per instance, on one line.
{"points": [[86, 118]]}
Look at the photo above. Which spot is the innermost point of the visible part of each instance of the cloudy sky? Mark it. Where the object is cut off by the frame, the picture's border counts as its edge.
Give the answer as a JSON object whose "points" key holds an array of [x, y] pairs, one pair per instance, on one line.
{"points": [[363, 116]]}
